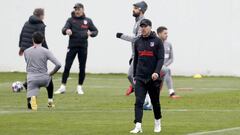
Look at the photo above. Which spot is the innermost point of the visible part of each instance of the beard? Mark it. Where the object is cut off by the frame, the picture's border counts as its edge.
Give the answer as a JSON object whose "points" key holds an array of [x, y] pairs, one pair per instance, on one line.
{"points": [[136, 14]]}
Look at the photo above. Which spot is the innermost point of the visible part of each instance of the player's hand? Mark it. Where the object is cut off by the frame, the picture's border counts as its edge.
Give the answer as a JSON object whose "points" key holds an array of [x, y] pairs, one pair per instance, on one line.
{"points": [[162, 74], [89, 33], [118, 35], [155, 76], [20, 53], [134, 81], [69, 32]]}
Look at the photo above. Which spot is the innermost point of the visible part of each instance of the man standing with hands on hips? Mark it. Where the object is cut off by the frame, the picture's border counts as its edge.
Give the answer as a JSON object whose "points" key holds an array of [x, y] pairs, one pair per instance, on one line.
{"points": [[78, 28], [148, 61]]}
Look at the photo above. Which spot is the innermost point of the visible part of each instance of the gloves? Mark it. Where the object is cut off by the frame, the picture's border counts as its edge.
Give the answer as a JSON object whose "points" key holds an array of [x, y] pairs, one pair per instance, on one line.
{"points": [[118, 35]]}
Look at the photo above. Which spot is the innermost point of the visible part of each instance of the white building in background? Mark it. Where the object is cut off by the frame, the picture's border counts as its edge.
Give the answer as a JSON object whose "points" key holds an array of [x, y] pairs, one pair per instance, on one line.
{"points": [[204, 33]]}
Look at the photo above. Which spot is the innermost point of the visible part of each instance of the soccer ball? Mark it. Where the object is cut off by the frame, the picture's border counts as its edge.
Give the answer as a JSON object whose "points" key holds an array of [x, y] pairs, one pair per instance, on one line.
{"points": [[17, 86]]}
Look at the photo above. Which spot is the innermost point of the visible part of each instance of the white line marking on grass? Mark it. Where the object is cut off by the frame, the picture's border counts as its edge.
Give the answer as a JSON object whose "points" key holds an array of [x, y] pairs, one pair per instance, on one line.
{"points": [[217, 88], [184, 89], [216, 131], [199, 110], [9, 83], [102, 86], [101, 78], [5, 84], [12, 112], [213, 89]]}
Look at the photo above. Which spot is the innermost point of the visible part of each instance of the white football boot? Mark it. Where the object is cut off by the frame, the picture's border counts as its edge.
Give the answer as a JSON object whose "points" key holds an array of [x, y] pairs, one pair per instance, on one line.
{"points": [[61, 90], [137, 129], [50, 104], [157, 126], [80, 90]]}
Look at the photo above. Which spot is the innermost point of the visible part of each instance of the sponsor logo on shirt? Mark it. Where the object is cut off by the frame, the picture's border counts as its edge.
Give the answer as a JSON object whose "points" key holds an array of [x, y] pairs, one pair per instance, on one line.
{"points": [[84, 26], [145, 53]]}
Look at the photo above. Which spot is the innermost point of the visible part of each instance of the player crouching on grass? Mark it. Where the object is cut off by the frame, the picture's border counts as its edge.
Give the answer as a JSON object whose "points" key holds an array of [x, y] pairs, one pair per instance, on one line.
{"points": [[36, 58], [148, 61]]}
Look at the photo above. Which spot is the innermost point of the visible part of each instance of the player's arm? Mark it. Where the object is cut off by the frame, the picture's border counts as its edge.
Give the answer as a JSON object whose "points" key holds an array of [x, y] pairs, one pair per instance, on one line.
{"points": [[170, 60], [93, 29], [19, 44], [20, 38], [135, 61], [67, 27], [44, 44], [25, 57], [55, 62], [159, 56], [125, 37], [129, 38]]}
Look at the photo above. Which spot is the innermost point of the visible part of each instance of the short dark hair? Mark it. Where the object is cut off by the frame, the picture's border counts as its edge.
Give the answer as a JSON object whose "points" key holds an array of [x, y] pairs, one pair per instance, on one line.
{"points": [[78, 5], [161, 29], [38, 12], [38, 37]]}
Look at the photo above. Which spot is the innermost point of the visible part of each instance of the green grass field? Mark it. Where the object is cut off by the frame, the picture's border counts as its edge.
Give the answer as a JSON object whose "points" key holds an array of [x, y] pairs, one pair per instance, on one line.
{"points": [[208, 104]]}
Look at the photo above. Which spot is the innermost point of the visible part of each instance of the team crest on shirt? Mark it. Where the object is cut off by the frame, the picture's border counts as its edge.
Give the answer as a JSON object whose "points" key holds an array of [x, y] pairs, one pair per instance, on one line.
{"points": [[152, 44], [85, 22]]}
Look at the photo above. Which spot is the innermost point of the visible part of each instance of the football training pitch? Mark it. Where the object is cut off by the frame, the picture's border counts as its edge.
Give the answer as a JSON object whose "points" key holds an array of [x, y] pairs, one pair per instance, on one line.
{"points": [[208, 106]]}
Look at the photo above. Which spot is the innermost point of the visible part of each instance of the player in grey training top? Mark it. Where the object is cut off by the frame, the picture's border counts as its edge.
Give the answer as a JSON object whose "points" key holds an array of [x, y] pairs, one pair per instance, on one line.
{"points": [[138, 12], [163, 35], [36, 58]]}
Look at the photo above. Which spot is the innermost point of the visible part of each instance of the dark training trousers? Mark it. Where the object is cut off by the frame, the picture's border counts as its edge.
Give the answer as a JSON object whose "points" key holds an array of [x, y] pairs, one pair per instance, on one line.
{"points": [[141, 89], [82, 59]]}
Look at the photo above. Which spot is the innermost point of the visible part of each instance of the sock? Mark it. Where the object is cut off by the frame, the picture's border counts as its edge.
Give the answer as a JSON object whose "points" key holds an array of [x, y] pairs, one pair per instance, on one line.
{"points": [[138, 125], [171, 91], [79, 86], [50, 100], [25, 85], [50, 90], [63, 86], [28, 103], [158, 121]]}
